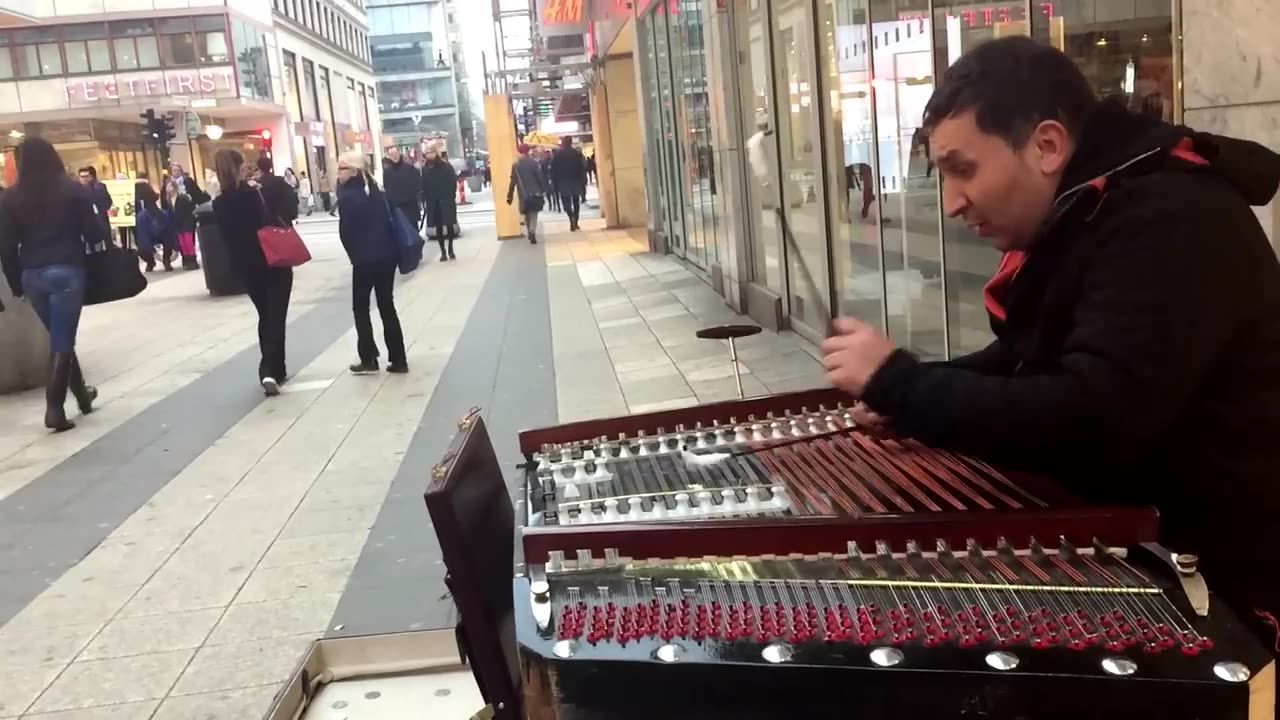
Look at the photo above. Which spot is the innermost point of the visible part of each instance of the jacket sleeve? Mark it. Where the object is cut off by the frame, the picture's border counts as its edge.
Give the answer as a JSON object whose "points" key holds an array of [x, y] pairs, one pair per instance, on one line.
{"points": [[990, 360], [1155, 308], [10, 259], [198, 196]]}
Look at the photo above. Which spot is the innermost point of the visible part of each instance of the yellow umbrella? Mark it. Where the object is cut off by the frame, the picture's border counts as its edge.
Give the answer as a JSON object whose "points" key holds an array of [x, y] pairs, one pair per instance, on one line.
{"points": [[544, 139]]}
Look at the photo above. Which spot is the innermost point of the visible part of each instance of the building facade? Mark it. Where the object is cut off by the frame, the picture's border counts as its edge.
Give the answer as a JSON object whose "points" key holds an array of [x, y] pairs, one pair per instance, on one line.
{"points": [[81, 72], [417, 59], [784, 157]]}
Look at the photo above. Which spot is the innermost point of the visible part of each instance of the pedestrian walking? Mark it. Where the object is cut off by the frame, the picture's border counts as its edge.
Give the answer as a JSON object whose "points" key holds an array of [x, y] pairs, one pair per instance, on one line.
{"points": [[528, 182], [47, 222], [365, 228], [280, 199], [439, 183], [403, 184], [544, 163], [305, 196], [186, 196], [591, 170], [330, 206], [569, 178], [240, 212], [155, 229]]}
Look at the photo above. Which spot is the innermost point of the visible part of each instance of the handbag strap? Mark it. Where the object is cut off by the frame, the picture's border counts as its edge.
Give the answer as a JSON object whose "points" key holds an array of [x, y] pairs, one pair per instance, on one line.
{"points": [[266, 210]]}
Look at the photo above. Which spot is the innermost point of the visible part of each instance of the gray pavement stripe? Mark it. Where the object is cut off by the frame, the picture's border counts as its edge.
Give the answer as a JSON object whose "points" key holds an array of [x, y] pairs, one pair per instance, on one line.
{"points": [[54, 521], [502, 363]]}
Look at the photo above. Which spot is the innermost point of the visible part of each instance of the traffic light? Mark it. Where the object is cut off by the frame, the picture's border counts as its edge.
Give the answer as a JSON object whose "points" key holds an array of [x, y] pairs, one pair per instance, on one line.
{"points": [[266, 142], [158, 129]]}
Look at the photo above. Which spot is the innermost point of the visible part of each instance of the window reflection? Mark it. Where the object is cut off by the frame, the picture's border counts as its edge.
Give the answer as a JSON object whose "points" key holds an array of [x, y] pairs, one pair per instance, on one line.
{"points": [[803, 194], [764, 200]]}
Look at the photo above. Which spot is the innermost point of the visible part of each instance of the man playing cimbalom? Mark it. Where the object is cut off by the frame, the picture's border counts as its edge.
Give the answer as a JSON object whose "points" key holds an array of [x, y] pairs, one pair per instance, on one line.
{"points": [[1136, 312]]}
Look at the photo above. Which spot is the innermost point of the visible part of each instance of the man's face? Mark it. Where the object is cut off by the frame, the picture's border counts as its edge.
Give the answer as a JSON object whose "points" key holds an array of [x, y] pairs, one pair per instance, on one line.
{"points": [[393, 154], [1003, 193], [175, 171], [85, 178]]}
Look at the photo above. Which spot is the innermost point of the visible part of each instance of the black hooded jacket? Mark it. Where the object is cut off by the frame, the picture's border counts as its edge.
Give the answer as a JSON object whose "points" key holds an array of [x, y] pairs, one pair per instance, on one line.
{"points": [[1139, 358]]}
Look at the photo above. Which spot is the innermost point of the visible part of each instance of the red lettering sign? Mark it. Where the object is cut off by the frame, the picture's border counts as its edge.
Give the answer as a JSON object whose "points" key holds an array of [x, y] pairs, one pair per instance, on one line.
{"points": [[983, 16], [562, 12], [110, 88]]}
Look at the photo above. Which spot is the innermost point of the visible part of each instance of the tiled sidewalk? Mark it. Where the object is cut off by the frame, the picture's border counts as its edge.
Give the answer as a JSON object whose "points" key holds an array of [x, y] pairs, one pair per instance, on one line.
{"points": [[624, 322]]}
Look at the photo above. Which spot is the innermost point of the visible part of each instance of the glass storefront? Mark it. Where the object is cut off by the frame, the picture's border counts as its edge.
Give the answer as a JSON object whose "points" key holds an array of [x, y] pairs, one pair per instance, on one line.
{"points": [[840, 198]]}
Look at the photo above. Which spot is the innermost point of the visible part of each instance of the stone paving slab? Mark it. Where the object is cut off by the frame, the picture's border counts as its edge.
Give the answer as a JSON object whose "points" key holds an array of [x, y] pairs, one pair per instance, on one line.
{"points": [[645, 309]]}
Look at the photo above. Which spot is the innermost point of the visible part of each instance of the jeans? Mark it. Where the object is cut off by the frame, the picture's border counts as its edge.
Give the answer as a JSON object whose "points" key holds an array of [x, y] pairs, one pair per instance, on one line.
{"points": [[570, 203], [531, 223], [381, 279], [56, 293], [270, 293]]}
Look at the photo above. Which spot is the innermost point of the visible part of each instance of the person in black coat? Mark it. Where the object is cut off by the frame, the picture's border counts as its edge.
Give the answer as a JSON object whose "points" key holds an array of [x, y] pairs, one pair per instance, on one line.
{"points": [[366, 232], [404, 185], [569, 178], [439, 194], [240, 212], [553, 197], [281, 200], [183, 197], [1136, 313]]}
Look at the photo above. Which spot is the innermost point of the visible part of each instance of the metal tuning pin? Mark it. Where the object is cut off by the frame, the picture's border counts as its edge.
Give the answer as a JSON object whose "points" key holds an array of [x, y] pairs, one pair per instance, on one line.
{"points": [[753, 498], [855, 552], [705, 506], [1003, 547], [682, 504], [1066, 550], [974, 549], [611, 510], [944, 548], [600, 473], [780, 500], [776, 431], [913, 549], [728, 501], [1037, 550], [796, 429], [644, 444], [883, 552]]}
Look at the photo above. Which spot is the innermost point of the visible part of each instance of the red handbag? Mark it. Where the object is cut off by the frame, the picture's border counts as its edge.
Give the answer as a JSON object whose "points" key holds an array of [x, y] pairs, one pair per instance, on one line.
{"points": [[282, 246]]}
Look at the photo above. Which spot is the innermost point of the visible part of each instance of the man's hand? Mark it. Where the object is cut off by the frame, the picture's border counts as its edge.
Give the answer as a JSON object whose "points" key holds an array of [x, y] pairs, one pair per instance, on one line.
{"points": [[854, 354], [871, 422]]}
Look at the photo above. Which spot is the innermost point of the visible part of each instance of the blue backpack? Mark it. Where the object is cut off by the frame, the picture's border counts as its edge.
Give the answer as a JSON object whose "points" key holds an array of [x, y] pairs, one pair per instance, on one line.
{"points": [[406, 237]]}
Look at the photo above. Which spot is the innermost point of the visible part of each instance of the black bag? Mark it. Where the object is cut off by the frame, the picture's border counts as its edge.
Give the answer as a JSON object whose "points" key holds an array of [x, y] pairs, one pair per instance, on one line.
{"points": [[112, 274], [532, 203]]}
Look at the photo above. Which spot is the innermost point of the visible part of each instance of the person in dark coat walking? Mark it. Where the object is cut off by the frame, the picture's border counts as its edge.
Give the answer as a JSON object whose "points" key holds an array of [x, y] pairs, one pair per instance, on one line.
{"points": [[439, 194], [527, 180], [183, 203], [403, 185], [240, 212], [546, 157], [1136, 313], [569, 177], [46, 223], [280, 198], [365, 228]]}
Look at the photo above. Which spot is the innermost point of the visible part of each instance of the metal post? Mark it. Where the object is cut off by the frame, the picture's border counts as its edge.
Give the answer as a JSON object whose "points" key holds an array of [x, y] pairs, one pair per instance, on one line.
{"points": [[737, 371]]}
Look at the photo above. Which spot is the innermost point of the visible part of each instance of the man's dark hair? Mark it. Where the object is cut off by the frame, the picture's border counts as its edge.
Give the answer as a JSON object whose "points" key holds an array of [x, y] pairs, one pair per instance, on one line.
{"points": [[265, 164], [1012, 85], [93, 173]]}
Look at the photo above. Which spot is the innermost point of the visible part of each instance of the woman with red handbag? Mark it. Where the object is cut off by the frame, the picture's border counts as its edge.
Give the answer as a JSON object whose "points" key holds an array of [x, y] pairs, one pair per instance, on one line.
{"points": [[241, 215]]}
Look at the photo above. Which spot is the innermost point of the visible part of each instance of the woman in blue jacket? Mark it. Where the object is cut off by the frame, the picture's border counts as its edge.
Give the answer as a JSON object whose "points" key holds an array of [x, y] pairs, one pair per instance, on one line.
{"points": [[365, 228], [155, 229]]}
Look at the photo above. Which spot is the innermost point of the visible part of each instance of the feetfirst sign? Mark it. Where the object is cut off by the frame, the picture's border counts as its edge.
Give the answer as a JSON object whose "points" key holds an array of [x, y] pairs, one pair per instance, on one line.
{"points": [[206, 82]]}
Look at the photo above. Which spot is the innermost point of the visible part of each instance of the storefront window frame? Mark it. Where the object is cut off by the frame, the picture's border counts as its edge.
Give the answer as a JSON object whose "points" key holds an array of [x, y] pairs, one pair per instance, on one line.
{"points": [[62, 35]]}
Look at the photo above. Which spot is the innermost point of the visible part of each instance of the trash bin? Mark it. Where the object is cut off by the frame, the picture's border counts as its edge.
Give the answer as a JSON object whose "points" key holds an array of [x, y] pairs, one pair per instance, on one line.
{"points": [[475, 182], [220, 277]]}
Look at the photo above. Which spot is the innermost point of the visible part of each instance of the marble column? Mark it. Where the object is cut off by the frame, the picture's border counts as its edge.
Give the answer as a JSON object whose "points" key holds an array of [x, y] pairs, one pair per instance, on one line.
{"points": [[1231, 76]]}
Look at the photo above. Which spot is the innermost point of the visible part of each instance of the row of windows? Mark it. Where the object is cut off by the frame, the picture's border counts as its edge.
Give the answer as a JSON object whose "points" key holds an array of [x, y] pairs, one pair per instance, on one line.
{"points": [[327, 23], [121, 45]]}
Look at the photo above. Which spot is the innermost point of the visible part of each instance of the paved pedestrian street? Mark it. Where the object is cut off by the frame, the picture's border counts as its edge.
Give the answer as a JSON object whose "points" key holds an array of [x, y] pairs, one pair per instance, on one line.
{"points": [[174, 555]]}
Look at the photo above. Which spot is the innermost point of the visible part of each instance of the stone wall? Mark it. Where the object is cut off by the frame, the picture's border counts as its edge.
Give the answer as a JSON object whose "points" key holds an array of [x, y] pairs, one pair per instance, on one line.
{"points": [[1231, 76]]}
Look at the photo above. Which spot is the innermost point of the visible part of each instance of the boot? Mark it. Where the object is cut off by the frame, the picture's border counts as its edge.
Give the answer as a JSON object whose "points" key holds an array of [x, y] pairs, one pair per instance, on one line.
{"points": [[444, 255], [533, 238], [167, 259], [451, 255], [55, 393], [83, 393]]}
